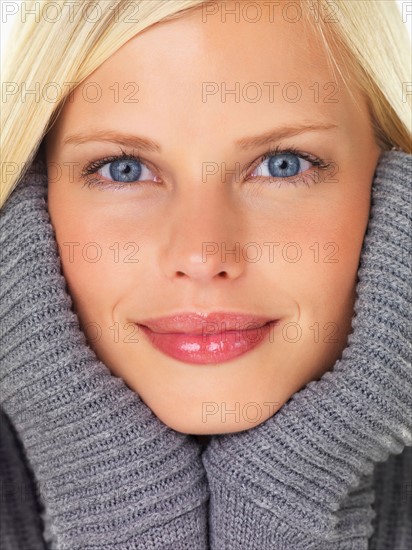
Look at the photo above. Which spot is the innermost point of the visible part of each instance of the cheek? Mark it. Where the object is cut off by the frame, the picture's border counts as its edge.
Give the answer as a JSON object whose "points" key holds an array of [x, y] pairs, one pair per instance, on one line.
{"points": [[318, 265], [105, 262], [88, 255]]}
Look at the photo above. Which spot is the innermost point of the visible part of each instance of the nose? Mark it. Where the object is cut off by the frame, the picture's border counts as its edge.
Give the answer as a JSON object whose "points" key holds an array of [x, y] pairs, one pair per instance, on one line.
{"points": [[203, 238]]}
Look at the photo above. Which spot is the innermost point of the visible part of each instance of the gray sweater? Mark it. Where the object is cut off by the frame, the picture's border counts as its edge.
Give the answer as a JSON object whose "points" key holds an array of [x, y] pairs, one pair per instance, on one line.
{"points": [[85, 464]]}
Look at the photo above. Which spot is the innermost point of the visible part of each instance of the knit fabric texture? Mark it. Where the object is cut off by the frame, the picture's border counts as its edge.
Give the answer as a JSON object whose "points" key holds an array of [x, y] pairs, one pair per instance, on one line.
{"points": [[108, 472], [85, 464], [304, 478]]}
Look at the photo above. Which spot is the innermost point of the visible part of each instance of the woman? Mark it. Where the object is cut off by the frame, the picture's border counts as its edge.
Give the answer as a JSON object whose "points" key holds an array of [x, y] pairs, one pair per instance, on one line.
{"points": [[166, 279]]}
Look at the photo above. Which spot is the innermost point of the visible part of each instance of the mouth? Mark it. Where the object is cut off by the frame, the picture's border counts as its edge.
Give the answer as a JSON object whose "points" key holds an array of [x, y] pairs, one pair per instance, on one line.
{"points": [[201, 338], [201, 323]]}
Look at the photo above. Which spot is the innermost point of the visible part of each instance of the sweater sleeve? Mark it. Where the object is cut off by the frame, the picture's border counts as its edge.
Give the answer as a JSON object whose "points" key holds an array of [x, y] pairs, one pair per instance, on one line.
{"points": [[110, 473], [302, 478]]}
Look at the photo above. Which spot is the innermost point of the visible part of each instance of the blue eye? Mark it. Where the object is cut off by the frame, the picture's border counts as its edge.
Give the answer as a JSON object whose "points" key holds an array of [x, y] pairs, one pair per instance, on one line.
{"points": [[117, 172], [128, 170], [281, 165], [122, 170], [125, 170]]}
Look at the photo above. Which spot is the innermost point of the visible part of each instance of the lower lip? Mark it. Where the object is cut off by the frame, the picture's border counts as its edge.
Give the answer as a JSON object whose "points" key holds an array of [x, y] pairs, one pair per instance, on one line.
{"points": [[208, 348]]}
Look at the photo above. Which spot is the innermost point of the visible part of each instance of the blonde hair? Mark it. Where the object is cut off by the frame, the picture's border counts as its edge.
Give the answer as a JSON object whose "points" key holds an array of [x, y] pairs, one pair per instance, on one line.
{"points": [[372, 42]]}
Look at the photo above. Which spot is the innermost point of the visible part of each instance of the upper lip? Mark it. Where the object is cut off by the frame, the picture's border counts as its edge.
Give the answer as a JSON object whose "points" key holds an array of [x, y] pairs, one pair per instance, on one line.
{"points": [[196, 323]]}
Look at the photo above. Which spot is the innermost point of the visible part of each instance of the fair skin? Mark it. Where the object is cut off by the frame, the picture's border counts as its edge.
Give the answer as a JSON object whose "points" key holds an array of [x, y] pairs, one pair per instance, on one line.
{"points": [[174, 208]]}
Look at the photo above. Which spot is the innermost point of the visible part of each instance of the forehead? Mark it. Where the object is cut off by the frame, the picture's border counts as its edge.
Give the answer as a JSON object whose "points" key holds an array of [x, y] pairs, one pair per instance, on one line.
{"points": [[201, 45], [216, 68]]}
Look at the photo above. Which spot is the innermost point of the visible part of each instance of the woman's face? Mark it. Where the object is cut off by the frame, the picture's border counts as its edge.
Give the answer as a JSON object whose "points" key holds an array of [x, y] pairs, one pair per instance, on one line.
{"points": [[203, 223]]}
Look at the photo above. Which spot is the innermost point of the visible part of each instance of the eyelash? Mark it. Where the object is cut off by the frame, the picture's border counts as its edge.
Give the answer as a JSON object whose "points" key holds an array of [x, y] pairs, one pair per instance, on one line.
{"points": [[319, 163], [93, 166]]}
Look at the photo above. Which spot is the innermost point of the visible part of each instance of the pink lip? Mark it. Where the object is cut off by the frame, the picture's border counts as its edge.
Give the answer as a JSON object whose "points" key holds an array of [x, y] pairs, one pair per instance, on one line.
{"points": [[206, 338]]}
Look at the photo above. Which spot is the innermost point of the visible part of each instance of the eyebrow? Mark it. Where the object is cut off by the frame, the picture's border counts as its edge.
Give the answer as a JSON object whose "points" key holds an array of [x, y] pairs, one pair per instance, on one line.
{"points": [[142, 143], [146, 144], [280, 133]]}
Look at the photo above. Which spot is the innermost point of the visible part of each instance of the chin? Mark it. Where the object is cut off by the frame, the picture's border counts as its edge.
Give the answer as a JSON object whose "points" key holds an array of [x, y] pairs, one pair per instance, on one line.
{"points": [[211, 427]]}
